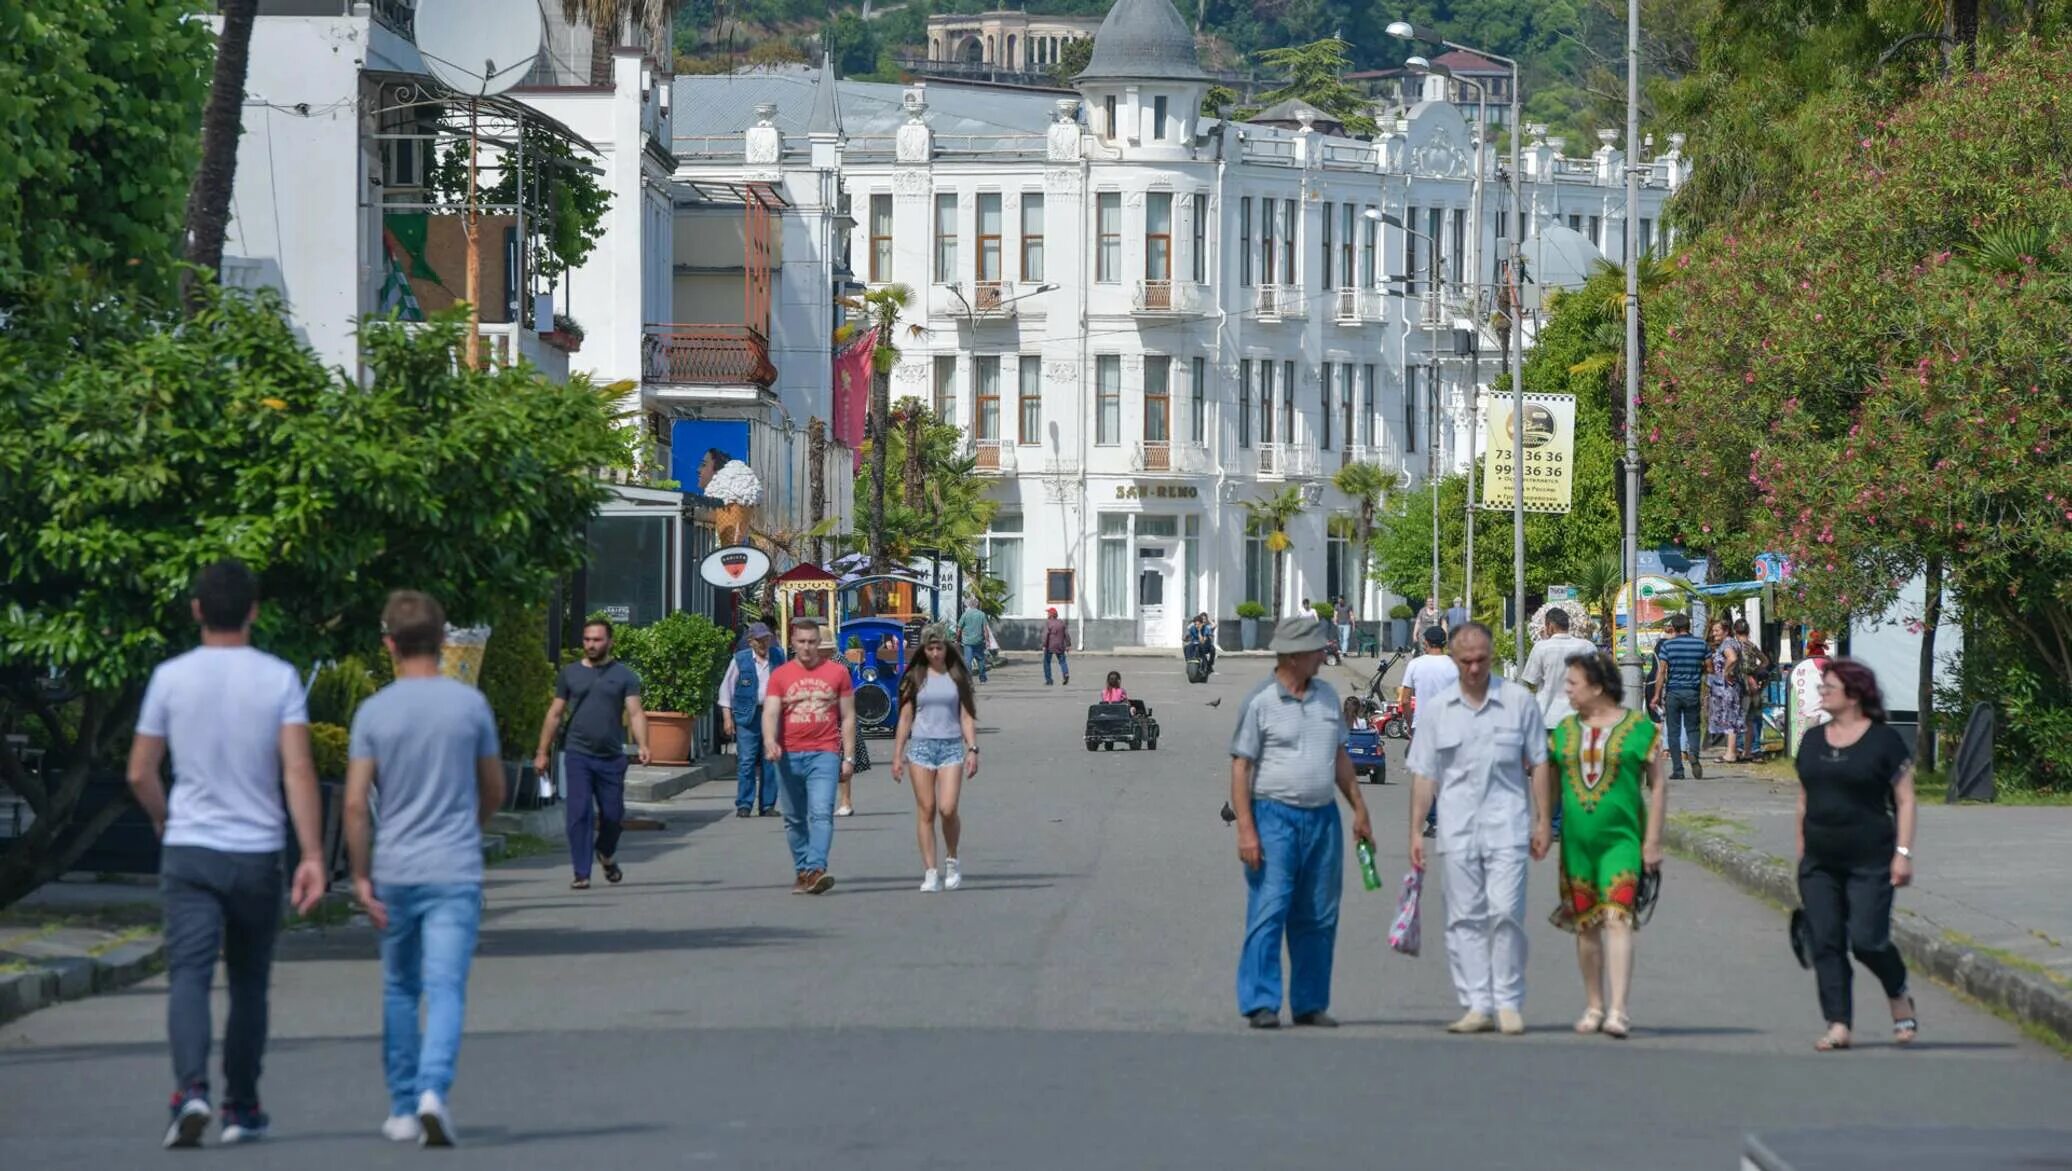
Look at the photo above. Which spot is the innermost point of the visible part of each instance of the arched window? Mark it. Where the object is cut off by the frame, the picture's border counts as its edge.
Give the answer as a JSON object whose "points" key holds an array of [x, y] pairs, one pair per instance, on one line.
{"points": [[1010, 61]]}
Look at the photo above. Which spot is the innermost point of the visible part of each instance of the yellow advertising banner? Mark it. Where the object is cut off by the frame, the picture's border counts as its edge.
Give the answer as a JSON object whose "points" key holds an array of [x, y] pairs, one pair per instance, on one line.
{"points": [[1550, 449]]}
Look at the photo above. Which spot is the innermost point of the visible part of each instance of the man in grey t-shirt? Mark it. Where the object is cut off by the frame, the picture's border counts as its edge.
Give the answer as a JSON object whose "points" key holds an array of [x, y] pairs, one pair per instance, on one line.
{"points": [[601, 697], [425, 748], [1286, 758]]}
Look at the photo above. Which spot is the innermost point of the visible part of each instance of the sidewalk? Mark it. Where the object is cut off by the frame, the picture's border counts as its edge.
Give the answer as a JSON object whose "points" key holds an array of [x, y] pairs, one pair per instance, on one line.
{"points": [[1988, 911]]}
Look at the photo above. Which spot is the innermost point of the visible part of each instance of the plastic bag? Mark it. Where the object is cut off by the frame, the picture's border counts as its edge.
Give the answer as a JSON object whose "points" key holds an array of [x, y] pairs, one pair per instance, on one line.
{"points": [[1405, 935]]}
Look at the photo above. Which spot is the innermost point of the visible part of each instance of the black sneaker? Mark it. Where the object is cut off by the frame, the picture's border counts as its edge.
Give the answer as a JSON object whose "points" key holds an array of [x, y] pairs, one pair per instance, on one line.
{"points": [[768, 811], [741, 811], [1317, 1020], [1264, 1018], [1697, 770], [244, 1124], [190, 1110]]}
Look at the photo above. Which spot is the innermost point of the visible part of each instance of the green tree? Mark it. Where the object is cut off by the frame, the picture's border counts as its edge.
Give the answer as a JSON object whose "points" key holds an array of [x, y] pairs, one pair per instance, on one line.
{"points": [[880, 309], [1316, 75], [938, 500], [1072, 60], [1364, 484], [1268, 516], [608, 19], [133, 451]]}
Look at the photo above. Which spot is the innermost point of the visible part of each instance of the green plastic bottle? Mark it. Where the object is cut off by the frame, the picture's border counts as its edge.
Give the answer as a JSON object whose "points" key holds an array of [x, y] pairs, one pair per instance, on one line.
{"points": [[1369, 877]]}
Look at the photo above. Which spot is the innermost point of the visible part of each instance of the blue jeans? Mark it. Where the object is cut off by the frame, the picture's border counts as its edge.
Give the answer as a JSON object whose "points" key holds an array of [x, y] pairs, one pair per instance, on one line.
{"points": [[1063, 665], [754, 766], [975, 659], [1294, 891], [425, 953], [806, 781], [1681, 710], [602, 779]]}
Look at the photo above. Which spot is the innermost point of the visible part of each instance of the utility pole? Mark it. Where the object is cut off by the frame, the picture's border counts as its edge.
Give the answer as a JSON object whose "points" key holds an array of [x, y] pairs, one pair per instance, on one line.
{"points": [[1519, 218], [1629, 664]]}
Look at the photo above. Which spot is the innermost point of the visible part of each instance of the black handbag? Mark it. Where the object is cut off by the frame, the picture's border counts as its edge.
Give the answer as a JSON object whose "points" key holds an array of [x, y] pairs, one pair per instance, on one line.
{"points": [[1801, 938]]}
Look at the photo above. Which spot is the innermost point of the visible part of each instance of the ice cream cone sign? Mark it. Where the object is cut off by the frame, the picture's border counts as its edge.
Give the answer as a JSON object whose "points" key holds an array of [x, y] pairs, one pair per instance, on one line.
{"points": [[733, 483]]}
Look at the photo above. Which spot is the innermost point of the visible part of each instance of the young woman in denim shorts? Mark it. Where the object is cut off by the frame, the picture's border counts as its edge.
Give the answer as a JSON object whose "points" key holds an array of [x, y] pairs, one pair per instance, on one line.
{"points": [[937, 745]]}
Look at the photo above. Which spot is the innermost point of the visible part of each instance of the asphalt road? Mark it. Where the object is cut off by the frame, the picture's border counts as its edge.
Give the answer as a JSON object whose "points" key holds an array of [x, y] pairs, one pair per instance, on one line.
{"points": [[1072, 1006]]}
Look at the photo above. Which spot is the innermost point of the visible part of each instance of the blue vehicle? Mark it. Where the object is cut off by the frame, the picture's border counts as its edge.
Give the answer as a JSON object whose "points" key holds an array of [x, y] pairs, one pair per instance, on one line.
{"points": [[1370, 762], [874, 649]]}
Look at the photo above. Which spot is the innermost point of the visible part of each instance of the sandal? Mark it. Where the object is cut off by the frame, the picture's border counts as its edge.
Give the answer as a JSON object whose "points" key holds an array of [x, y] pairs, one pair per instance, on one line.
{"points": [[1835, 1038], [580, 884], [612, 873], [1906, 1029], [1616, 1026], [1591, 1021]]}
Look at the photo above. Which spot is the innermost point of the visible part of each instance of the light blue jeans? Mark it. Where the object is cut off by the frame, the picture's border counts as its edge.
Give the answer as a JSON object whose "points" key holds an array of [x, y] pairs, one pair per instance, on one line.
{"points": [[1295, 892], [975, 659], [806, 782], [425, 953]]}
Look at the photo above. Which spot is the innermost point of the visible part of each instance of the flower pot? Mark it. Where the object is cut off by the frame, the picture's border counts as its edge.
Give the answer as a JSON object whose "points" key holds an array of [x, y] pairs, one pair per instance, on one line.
{"points": [[669, 737], [1399, 633], [1248, 633]]}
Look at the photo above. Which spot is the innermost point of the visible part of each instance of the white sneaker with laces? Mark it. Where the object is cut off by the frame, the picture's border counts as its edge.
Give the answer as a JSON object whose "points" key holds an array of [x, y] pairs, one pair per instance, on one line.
{"points": [[436, 1121], [929, 882], [402, 1128], [952, 877]]}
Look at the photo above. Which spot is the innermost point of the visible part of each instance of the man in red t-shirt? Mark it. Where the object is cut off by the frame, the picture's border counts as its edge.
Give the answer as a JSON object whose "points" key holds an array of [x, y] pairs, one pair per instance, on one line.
{"points": [[809, 730]]}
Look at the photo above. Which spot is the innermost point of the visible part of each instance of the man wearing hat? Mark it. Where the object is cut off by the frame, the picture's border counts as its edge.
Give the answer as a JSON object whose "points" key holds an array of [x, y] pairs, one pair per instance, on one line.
{"points": [[741, 695], [1286, 758]]}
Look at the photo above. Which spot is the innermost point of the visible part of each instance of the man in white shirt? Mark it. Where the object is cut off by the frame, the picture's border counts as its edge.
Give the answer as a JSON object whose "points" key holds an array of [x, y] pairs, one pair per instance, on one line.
{"points": [[1427, 675], [1546, 668], [1473, 753], [238, 729]]}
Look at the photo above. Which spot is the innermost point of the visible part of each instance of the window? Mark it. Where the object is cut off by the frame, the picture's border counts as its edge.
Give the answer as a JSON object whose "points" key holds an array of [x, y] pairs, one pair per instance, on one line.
{"points": [[1266, 369], [1288, 222], [1108, 398], [1324, 392], [1108, 248], [1330, 218], [1108, 109], [1338, 557], [1158, 118], [989, 260], [945, 237], [1367, 406], [1032, 236], [945, 386], [1201, 238], [1503, 225], [1002, 554], [1345, 404], [1575, 222], [881, 238], [1460, 244], [1158, 399], [1269, 212], [1410, 265], [1112, 583], [1410, 374], [1244, 402], [1288, 401], [1346, 213], [1031, 390], [1158, 236], [1597, 232], [1647, 237], [988, 396], [1190, 566], [1435, 227], [1200, 431], [1244, 242]]}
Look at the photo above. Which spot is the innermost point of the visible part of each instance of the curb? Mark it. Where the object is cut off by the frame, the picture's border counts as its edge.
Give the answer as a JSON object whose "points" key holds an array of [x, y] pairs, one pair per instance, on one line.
{"points": [[2026, 996], [78, 977], [690, 777]]}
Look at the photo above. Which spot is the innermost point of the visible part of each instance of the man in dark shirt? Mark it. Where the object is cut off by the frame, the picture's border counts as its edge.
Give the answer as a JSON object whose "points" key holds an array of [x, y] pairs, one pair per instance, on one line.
{"points": [[1679, 675], [601, 697]]}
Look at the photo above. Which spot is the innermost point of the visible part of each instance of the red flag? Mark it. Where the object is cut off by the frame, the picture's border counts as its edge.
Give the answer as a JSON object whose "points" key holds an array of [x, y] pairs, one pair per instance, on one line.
{"points": [[853, 392]]}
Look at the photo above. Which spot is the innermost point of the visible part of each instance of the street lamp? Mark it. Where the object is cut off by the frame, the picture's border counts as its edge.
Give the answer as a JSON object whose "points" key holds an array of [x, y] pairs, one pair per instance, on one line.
{"points": [[1404, 30], [1432, 386], [1629, 666]]}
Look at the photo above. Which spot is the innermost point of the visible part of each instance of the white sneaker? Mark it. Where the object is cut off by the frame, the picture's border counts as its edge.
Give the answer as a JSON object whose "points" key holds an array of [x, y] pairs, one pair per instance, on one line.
{"points": [[402, 1128], [929, 882], [952, 877], [437, 1123], [843, 811]]}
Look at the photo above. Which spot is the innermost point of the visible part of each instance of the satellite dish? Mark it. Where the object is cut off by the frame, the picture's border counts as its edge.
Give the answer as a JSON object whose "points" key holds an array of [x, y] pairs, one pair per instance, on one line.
{"points": [[478, 47]]}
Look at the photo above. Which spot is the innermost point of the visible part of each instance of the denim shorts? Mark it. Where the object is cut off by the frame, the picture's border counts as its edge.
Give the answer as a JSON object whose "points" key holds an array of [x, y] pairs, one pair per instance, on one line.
{"points": [[935, 753]]}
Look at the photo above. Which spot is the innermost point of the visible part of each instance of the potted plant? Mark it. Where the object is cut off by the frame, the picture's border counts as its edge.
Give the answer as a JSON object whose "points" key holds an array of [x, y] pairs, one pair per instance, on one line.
{"points": [[679, 660], [1399, 624], [566, 335], [1324, 611], [1248, 615]]}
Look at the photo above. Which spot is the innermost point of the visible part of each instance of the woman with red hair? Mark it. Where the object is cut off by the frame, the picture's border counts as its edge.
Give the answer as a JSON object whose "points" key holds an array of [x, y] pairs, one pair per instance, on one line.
{"points": [[1856, 835]]}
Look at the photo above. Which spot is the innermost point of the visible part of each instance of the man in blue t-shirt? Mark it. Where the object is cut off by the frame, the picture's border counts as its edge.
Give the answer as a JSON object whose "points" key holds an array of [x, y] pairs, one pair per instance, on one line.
{"points": [[425, 748], [971, 631], [1679, 675]]}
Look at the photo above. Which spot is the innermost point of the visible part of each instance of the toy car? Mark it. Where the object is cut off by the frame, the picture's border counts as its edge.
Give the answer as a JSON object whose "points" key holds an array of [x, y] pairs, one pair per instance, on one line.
{"points": [[1370, 762], [1109, 724], [874, 649]]}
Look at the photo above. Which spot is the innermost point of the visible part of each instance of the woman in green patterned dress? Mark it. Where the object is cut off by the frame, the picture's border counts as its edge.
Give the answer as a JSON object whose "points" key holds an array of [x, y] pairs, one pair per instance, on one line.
{"points": [[1602, 757]]}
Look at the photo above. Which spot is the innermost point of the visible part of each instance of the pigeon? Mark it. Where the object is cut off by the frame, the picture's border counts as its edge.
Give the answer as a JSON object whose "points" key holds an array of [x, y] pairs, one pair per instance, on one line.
{"points": [[1216, 702], [1229, 814]]}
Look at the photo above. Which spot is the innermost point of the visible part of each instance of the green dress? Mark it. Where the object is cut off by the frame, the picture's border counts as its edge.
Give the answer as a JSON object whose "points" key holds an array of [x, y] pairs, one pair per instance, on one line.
{"points": [[1603, 777]]}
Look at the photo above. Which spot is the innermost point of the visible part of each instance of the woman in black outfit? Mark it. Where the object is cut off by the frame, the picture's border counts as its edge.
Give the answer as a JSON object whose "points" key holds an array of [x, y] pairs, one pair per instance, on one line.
{"points": [[1856, 835]]}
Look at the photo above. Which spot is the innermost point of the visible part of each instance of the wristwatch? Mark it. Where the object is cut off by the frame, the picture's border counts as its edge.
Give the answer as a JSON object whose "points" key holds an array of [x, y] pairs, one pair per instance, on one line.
{"points": [[971, 748], [1903, 852]]}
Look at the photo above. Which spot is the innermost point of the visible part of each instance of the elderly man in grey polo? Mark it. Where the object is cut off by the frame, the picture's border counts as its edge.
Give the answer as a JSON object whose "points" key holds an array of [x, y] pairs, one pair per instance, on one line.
{"points": [[1473, 752], [1286, 758]]}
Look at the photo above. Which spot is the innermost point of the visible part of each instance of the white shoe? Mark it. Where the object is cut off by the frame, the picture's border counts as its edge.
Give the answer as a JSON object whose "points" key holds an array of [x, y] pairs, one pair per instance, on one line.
{"points": [[843, 811], [1510, 1022], [953, 876], [437, 1123], [929, 882], [1472, 1022], [402, 1128]]}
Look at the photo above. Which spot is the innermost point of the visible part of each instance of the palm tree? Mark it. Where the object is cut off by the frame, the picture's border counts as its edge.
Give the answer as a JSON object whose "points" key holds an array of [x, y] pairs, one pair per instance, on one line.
{"points": [[1363, 483], [1598, 582], [607, 18], [208, 197], [881, 308], [1270, 515]]}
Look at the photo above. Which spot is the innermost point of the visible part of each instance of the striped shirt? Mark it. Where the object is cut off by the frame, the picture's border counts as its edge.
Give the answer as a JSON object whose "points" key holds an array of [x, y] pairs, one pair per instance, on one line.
{"points": [[1293, 743], [1683, 659]]}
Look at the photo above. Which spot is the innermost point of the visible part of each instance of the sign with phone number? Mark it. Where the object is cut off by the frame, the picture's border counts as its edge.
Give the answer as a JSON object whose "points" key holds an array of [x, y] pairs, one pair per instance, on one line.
{"points": [[1550, 446]]}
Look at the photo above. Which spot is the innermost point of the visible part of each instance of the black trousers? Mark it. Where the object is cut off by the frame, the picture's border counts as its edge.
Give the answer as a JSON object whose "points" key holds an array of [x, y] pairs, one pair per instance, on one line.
{"points": [[1849, 909], [228, 903]]}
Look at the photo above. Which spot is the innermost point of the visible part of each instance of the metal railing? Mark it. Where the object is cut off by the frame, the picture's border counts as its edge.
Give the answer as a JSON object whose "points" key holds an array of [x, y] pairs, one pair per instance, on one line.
{"points": [[994, 455], [991, 298], [710, 354], [1285, 461], [1167, 296], [1161, 455]]}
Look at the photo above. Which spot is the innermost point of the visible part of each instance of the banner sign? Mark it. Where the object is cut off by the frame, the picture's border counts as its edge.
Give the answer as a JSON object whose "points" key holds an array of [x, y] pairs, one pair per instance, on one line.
{"points": [[1550, 448]]}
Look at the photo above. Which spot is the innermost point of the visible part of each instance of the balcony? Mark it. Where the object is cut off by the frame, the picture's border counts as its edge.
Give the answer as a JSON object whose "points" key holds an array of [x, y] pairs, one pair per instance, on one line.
{"points": [[995, 456], [1281, 303], [1162, 298], [1285, 461], [1164, 457], [1356, 306], [992, 299], [1366, 453], [730, 361]]}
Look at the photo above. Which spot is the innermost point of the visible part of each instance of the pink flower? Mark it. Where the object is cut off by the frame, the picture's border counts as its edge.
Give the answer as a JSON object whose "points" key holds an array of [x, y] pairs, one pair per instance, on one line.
{"points": [[1749, 377]]}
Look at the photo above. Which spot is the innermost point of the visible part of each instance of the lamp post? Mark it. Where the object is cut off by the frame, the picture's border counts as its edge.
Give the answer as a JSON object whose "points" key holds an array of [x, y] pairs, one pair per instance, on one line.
{"points": [[1431, 385], [1404, 30], [1629, 665]]}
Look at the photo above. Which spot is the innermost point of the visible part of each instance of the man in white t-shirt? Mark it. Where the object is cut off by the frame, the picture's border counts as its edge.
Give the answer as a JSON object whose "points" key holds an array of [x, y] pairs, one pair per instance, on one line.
{"points": [[1546, 668], [1427, 675], [235, 721]]}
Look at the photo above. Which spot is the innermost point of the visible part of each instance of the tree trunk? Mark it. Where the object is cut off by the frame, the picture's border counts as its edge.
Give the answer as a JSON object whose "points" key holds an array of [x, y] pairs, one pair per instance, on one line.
{"points": [[1280, 562], [913, 476], [1931, 617], [1964, 16], [881, 426], [601, 53], [816, 478], [208, 198]]}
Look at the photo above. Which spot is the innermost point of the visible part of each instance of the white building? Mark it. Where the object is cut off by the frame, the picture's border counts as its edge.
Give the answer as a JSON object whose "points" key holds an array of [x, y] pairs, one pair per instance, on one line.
{"points": [[1143, 317]]}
